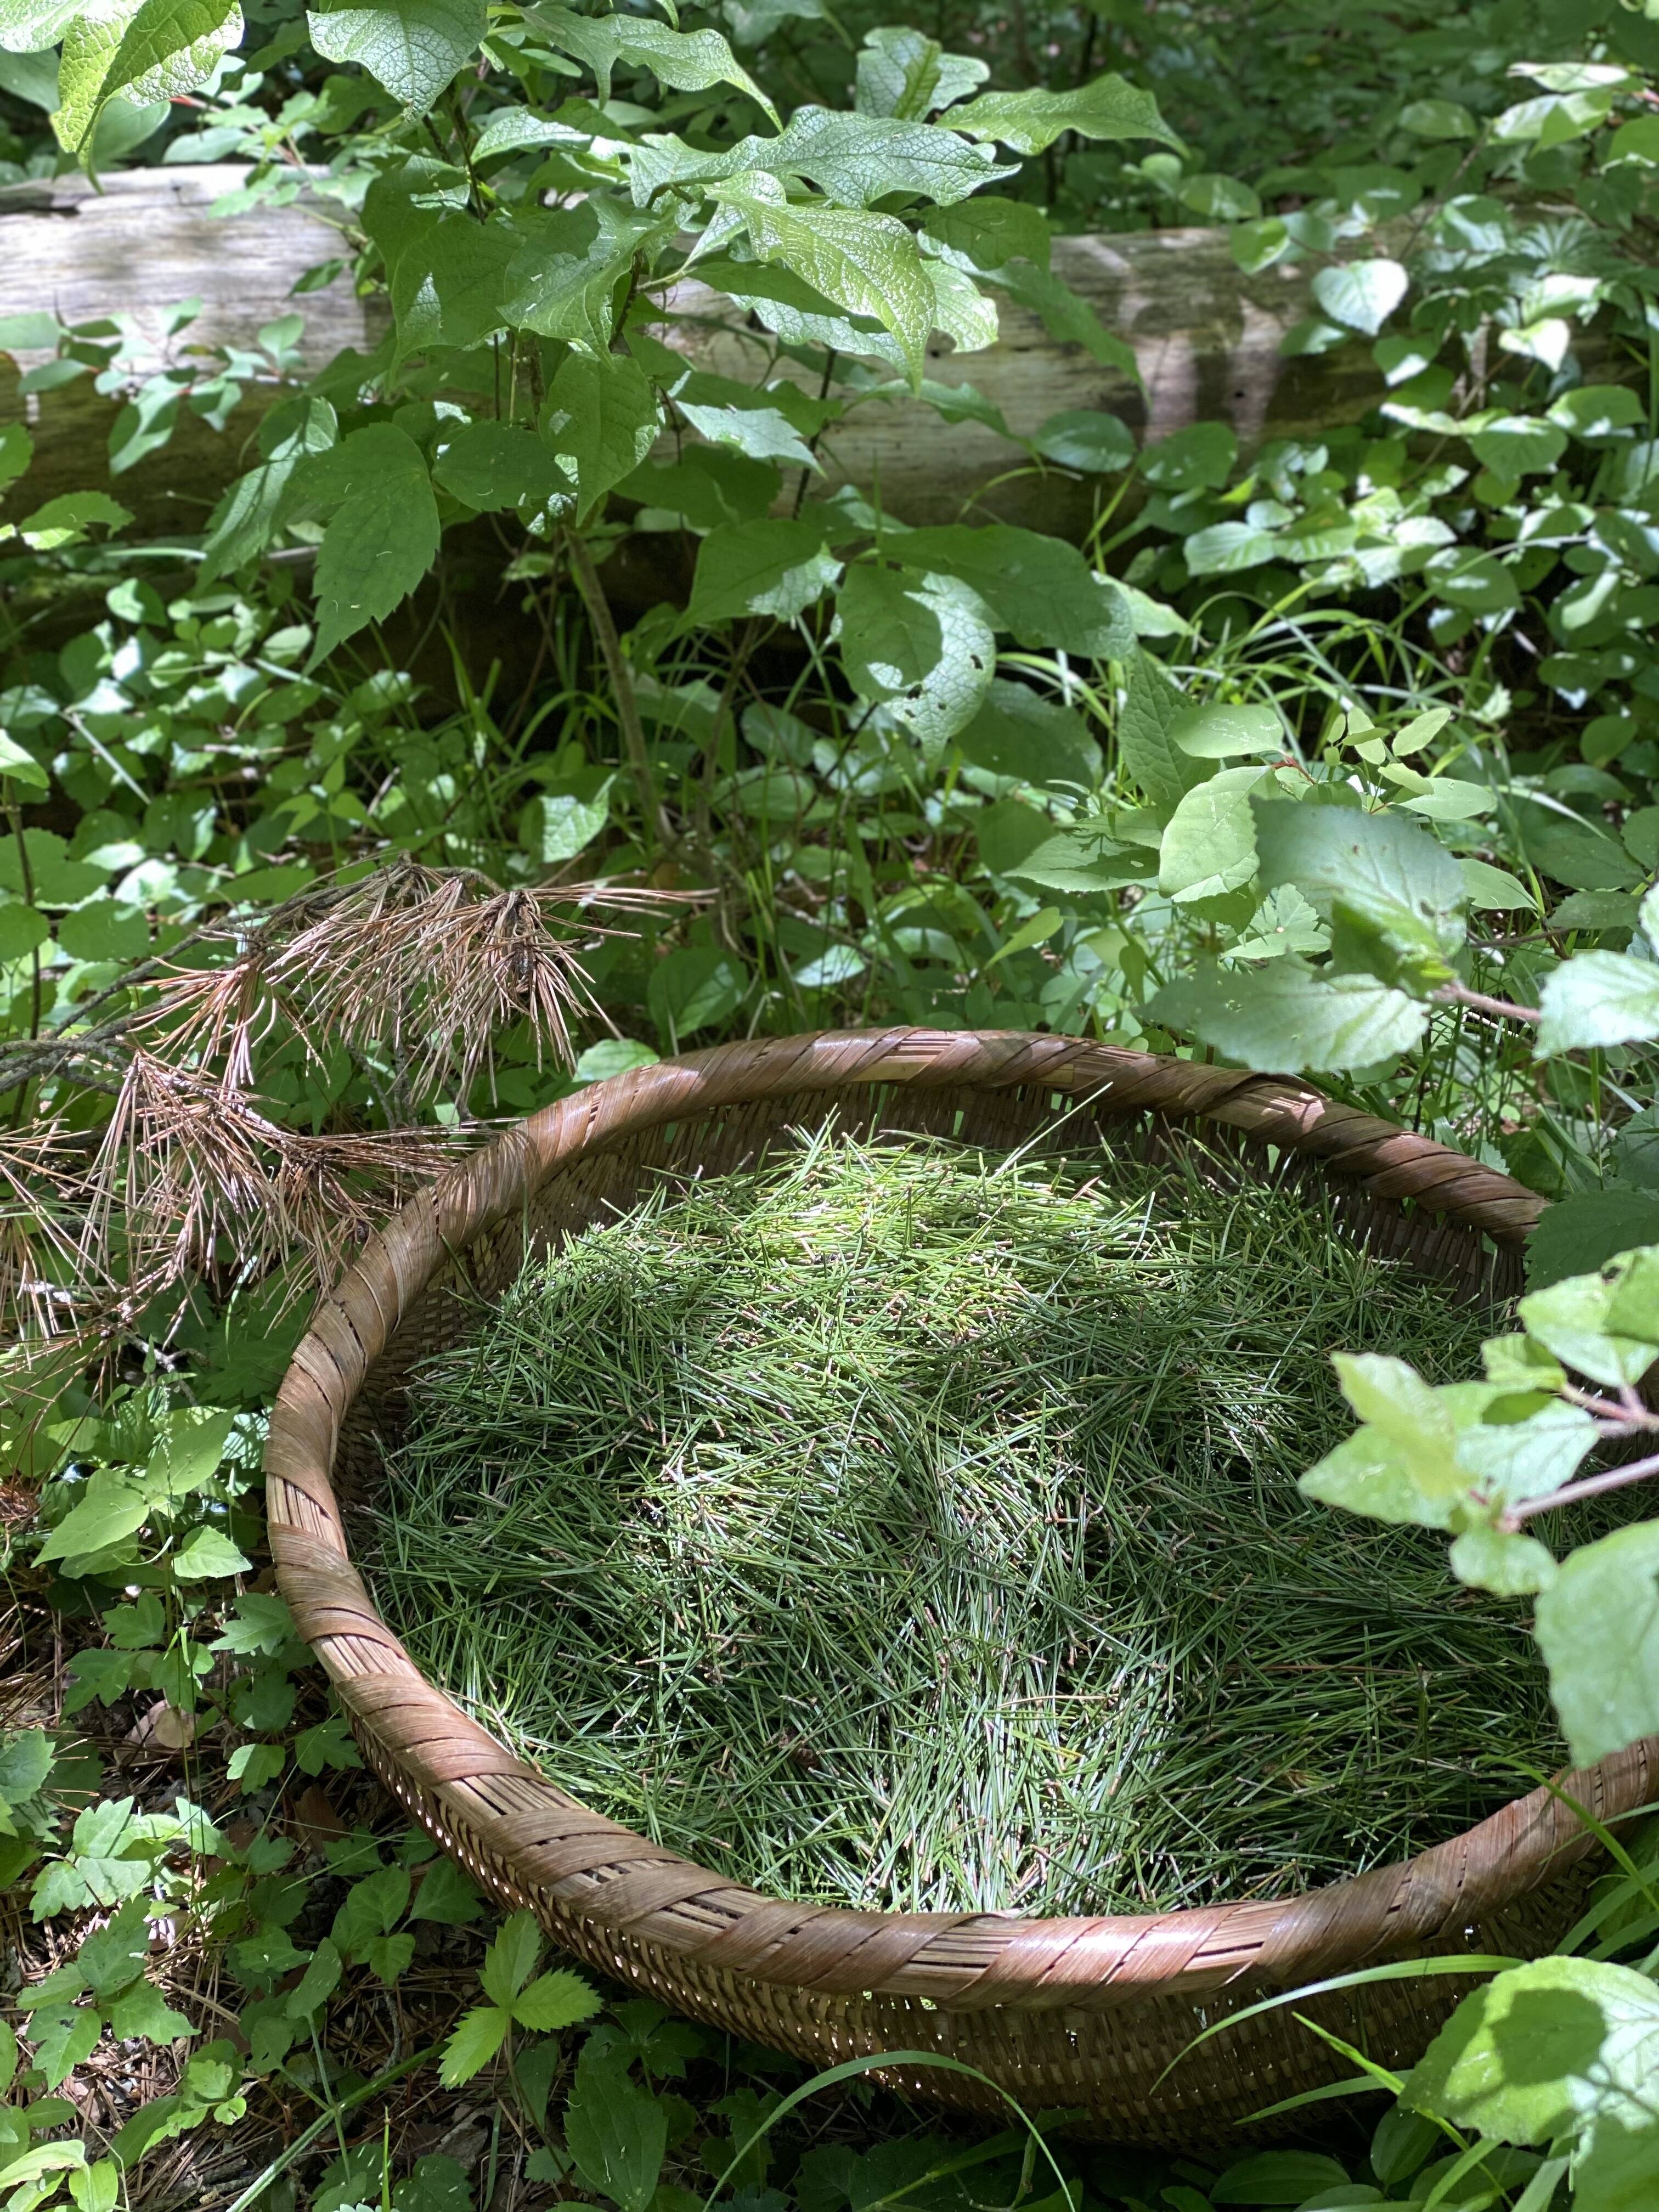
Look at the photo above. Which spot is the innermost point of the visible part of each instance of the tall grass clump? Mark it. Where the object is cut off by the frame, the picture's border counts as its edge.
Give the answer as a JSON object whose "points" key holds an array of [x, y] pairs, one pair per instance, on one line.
{"points": [[901, 1527]]}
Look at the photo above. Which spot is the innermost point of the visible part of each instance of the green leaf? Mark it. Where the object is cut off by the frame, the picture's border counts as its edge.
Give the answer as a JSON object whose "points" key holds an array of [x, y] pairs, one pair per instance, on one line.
{"points": [[1584, 1322], [449, 285], [558, 825], [1040, 588], [902, 71], [111, 1510], [774, 567], [21, 765], [1286, 1018], [1477, 582], [495, 468], [1598, 1628], [1504, 1562], [511, 1959], [1222, 733], [67, 520], [1361, 293], [1066, 316], [317, 1984], [446, 1895], [207, 1555], [1281, 2177], [383, 534], [102, 930], [617, 2133], [151, 51], [1146, 745], [28, 27], [1083, 438], [763, 433], [1598, 998], [1518, 445], [22, 928], [1393, 894], [611, 1056], [414, 49], [868, 263], [1598, 410], [1494, 890], [690, 60], [566, 276], [1546, 2048], [919, 644], [1029, 121], [987, 234], [693, 989], [141, 2010], [1016, 732], [373, 1907], [476, 2039], [856, 158], [1209, 844], [114, 1956], [602, 411], [553, 2001]]}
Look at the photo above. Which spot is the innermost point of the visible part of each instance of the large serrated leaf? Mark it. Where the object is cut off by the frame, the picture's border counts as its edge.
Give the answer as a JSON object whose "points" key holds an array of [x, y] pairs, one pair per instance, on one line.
{"points": [[869, 265], [690, 60], [414, 49], [1110, 107], [152, 52]]}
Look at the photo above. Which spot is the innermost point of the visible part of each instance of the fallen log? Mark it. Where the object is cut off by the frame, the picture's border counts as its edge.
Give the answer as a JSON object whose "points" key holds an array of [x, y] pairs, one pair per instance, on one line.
{"points": [[1205, 339]]}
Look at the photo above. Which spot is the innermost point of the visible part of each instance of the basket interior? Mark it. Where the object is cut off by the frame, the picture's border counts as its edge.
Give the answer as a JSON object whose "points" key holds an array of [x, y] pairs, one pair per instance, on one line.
{"points": [[608, 1178]]}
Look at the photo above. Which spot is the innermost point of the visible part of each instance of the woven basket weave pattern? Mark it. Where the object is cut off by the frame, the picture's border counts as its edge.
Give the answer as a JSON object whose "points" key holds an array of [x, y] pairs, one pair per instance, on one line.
{"points": [[1082, 2011]]}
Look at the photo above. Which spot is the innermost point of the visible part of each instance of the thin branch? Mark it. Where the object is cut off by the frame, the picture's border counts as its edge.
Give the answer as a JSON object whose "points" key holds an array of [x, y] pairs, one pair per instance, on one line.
{"points": [[621, 684], [1593, 1486], [1503, 1010]]}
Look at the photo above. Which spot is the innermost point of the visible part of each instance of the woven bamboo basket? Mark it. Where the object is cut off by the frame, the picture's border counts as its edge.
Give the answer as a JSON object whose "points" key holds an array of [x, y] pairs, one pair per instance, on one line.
{"points": [[1089, 2014]]}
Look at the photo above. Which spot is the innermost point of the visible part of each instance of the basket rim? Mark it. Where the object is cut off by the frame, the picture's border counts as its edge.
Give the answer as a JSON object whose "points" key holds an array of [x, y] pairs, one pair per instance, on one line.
{"points": [[512, 1826]]}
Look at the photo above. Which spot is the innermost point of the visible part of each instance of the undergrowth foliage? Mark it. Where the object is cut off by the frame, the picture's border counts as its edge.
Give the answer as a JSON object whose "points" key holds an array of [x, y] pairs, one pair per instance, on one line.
{"points": [[1335, 754]]}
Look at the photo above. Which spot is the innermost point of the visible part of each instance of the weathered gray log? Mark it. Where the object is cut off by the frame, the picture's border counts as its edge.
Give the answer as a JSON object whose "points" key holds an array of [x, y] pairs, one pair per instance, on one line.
{"points": [[1206, 338]]}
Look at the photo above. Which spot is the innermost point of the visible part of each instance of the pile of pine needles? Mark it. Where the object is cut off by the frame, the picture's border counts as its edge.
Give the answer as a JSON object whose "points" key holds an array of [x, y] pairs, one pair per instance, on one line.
{"points": [[899, 1526]]}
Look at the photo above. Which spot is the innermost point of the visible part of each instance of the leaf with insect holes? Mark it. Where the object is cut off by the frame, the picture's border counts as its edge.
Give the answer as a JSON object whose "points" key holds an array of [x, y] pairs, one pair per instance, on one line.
{"points": [[919, 644], [1029, 121], [413, 49], [154, 51]]}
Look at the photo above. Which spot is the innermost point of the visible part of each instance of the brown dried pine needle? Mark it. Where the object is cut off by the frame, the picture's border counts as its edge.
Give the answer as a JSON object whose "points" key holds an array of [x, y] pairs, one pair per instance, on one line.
{"points": [[900, 1528]]}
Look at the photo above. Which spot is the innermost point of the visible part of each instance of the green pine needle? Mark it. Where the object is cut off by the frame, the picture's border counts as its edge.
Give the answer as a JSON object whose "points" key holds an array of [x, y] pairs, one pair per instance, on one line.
{"points": [[901, 1528]]}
